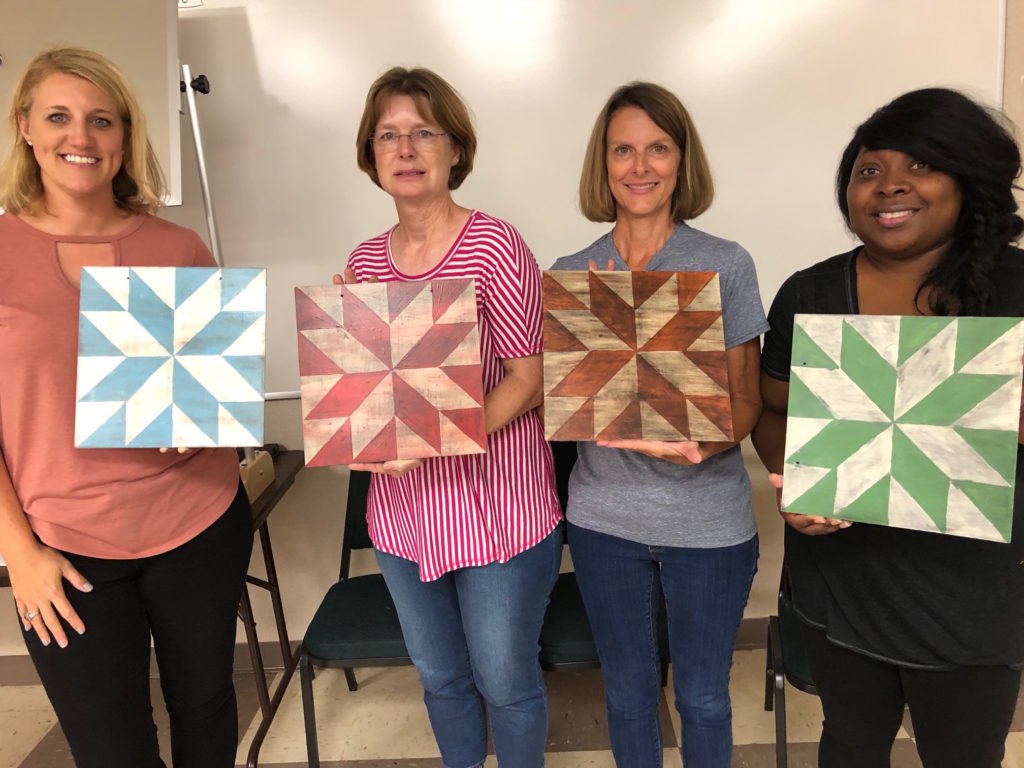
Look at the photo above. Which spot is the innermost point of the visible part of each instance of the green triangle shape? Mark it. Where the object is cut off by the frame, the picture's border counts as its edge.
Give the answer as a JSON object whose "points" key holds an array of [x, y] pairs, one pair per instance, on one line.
{"points": [[953, 398], [819, 499], [915, 332], [837, 442], [976, 334], [996, 447], [868, 370], [803, 402], [807, 354], [872, 506], [993, 501], [926, 483]]}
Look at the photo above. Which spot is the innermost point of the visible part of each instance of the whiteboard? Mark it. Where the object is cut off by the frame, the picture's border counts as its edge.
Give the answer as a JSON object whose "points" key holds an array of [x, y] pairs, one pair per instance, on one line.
{"points": [[140, 36], [775, 87]]}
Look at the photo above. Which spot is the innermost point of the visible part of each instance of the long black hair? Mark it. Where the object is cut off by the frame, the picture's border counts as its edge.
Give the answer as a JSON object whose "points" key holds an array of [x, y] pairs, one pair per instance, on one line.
{"points": [[955, 135]]}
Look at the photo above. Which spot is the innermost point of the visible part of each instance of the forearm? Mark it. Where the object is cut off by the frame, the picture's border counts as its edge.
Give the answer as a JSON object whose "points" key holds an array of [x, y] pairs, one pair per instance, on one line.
{"points": [[521, 390], [769, 439]]}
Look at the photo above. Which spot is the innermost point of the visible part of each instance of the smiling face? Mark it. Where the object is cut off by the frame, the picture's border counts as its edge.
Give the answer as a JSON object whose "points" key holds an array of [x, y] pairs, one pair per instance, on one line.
{"points": [[901, 208], [77, 137], [643, 165], [409, 171]]}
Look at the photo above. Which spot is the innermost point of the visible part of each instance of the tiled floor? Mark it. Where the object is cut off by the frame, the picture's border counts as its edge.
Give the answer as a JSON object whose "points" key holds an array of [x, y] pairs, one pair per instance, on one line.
{"points": [[384, 724]]}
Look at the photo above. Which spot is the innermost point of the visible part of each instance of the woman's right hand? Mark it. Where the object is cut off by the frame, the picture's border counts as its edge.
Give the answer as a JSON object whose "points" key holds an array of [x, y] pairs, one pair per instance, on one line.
{"points": [[37, 580], [810, 525]]}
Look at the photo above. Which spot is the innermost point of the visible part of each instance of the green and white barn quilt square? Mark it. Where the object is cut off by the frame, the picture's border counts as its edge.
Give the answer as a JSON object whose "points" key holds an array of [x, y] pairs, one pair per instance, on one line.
{"points": [[909, 422]]}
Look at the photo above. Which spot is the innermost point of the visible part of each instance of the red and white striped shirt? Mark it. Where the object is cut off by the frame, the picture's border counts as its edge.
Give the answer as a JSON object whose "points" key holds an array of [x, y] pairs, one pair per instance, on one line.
{"points": [[459, 511]]}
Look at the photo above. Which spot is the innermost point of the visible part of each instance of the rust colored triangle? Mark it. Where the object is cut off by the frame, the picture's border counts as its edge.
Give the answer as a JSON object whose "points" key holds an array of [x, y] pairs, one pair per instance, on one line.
{"points": [[646, 284], [662, 395], [400, 295], [383, 446], [579, 426], [313, 361], [471, 422], [418, 413], [557, 296], [627, 425], [444, 293], [680, 331], [367, 327], [435, 345], [468, 378], [691, 284], [718, 411], [345, 397], [309, 315], [608, 307], [590, 375], [558, 338], [713, 364], [337, 449]]}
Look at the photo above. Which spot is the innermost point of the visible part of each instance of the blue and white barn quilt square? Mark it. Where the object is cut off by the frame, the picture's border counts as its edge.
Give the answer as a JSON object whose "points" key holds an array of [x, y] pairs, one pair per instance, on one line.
{"points": [[171, 357]]}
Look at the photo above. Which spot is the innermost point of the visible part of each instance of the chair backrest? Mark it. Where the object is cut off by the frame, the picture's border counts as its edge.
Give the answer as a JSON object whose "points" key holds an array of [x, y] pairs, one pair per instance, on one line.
{"points": [[356, 535]]}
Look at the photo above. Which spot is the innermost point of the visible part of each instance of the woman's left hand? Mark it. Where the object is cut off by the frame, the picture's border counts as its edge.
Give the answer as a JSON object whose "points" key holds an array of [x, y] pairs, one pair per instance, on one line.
{"points": [[394, 468], [179, 450], [686, 452]]}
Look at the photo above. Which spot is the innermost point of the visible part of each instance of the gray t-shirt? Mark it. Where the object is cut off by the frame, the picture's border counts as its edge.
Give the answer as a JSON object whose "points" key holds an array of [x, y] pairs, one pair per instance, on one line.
{"points": [[655, 502]]}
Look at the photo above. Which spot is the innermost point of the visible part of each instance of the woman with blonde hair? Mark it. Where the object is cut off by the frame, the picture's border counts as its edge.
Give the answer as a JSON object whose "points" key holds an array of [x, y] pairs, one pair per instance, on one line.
{"points": [[120, 546], [648, 519]]}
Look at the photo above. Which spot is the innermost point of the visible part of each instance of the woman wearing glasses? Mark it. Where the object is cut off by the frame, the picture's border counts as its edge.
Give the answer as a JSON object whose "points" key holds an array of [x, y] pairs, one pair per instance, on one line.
{"points": [[650, 518], [469, 545]]}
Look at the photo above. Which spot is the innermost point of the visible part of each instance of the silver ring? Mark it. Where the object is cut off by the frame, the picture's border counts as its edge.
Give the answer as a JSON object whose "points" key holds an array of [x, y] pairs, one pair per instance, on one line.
{"points": [[29, 615]]}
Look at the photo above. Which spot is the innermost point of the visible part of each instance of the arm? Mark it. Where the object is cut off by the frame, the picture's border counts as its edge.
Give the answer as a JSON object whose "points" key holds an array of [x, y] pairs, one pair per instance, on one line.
{"points": [[745, 399], [36, 571], [769, 439], [521, 390]]}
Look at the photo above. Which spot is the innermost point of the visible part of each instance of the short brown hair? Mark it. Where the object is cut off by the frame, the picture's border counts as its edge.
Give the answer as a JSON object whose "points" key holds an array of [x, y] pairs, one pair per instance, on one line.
{"points": [[139, 185], [436, 99], [694, 188]]}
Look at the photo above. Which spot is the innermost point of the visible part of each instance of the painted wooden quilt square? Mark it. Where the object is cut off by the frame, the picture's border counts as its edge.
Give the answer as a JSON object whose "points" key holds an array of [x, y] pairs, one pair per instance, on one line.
{"points": [[390, 371], [170, 357], [909, 422], [634, 355]]}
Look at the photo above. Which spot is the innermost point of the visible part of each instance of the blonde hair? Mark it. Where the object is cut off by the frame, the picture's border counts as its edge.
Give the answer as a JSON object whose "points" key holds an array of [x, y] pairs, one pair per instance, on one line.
{"points": [[694, 188], [139, 185], [435, 99]]}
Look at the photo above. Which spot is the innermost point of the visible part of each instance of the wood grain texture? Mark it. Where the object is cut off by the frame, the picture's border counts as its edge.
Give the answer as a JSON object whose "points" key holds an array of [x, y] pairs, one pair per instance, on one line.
{"points": [[390, 371], [634, 355]]}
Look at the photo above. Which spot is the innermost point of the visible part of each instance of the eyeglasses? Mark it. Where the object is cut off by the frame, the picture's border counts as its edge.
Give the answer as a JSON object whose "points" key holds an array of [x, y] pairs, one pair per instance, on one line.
{"points": [[388, 141]]}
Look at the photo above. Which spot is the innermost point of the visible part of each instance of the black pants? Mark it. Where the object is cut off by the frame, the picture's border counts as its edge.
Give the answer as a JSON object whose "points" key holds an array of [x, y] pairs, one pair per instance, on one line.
{"points": [[188, 600], [960, 717]]}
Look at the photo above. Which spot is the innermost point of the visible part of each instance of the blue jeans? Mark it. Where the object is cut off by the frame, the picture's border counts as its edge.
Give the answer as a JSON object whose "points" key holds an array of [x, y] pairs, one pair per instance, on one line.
{"points": [[473, 636], [705, 592]]}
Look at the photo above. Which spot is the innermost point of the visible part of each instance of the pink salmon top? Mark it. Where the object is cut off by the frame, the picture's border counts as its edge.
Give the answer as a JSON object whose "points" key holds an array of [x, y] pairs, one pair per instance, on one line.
{"points": [[108, 503], [459, 511]]}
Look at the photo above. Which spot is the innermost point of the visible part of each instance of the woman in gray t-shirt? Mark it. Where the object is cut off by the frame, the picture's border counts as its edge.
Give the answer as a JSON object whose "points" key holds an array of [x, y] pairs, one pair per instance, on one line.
{"points": [[650, 518]]}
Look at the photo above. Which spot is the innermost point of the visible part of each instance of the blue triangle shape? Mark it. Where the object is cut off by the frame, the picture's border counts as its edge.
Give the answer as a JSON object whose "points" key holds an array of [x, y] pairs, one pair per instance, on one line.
{"points": [[158, 434], [110, 434], [220, 333], [251, 369], [93, 297], [125, 380], [151, 312], [195, 401], [234, 281], [92, 342], [249, 415], [187, 281]]}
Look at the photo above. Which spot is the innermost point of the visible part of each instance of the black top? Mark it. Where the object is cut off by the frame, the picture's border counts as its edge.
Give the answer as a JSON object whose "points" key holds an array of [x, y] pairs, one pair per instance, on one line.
{"points": [[913, 598]]}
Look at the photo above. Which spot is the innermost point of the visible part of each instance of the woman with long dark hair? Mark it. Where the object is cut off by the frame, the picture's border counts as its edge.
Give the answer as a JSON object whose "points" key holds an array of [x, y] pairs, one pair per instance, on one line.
{"points": [[896, 617]]}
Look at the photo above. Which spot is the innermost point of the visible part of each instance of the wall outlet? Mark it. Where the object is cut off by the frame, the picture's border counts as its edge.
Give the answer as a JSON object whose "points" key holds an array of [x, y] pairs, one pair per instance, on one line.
{"points": [[189, 4]]}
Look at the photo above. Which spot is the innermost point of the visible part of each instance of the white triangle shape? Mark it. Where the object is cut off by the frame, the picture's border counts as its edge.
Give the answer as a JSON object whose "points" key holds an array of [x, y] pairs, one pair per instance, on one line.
{"points": [[92, 370], [826, 331], [113, 280], [798, 479], [160, 280], [963, 518], [905, 512], [185, 433], [90, 416], [252, 298], [882, 333], [230, 431], [1001, 357], [148, 401]]}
